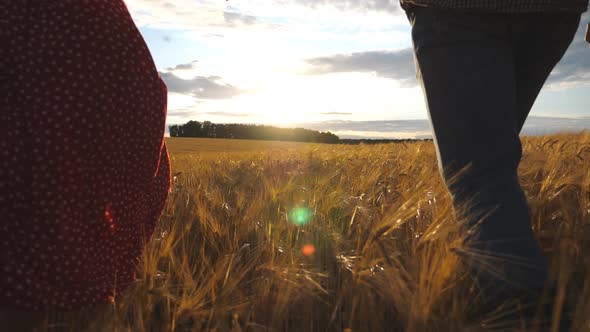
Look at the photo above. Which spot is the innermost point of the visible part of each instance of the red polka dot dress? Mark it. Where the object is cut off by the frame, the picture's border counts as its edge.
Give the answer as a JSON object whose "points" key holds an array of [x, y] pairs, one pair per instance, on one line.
{"points": [[84, 171]]}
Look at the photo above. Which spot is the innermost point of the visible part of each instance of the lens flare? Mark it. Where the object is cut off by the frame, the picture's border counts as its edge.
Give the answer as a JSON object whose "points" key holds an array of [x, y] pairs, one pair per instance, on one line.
{"points": [[308, 250], [300, 216]]}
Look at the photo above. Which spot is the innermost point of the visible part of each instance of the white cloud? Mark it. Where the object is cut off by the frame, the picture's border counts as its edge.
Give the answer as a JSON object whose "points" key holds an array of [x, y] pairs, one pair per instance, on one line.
{"points": [[210, 87], [395, 64], [535, 125], [574, 68], [381, 135], [176, 13], [341, 15], [184, 66], [389, 6]]}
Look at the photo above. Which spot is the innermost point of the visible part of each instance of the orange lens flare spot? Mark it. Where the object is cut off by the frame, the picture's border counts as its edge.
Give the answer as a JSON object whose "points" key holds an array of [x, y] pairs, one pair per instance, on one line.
{"points": [[308, 250]]}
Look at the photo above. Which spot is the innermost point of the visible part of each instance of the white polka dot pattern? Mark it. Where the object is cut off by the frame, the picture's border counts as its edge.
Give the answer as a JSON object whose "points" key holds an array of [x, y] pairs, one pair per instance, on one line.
{"points": [[84, 171]]}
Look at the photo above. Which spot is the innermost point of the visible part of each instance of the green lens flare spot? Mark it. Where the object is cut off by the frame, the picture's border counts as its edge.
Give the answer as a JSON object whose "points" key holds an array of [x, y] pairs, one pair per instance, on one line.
{"points": [[300, 216]]}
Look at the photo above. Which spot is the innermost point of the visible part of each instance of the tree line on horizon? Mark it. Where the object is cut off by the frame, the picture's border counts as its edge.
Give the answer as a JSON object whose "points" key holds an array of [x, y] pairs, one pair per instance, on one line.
{"points": [[208, 129]]}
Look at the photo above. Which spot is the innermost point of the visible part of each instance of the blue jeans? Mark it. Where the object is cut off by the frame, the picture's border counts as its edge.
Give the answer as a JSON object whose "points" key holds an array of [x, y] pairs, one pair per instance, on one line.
{"points": [[480, 74]]}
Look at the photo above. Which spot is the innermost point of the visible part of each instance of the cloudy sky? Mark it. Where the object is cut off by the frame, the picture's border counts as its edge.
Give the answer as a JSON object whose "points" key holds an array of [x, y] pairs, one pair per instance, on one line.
{"points": [[343, 65]]}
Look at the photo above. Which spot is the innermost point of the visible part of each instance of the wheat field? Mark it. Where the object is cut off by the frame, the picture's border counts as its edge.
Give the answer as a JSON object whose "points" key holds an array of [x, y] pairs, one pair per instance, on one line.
{"points": [[274, 236]]}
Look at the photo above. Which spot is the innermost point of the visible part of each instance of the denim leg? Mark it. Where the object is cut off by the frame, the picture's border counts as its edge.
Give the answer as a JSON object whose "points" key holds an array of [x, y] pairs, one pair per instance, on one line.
{"points": [[539, 42], [466, 67]]}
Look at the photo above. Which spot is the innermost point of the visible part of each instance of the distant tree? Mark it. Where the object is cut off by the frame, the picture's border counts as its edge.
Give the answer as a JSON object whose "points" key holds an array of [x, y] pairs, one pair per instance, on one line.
{"points": [[208, 129], [250, 131], [192, 129], [222, 131], [173, 130]]}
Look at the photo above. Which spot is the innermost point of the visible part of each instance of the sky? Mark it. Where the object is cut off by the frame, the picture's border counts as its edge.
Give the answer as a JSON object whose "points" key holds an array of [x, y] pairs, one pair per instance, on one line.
{"points": [[339, 65]]}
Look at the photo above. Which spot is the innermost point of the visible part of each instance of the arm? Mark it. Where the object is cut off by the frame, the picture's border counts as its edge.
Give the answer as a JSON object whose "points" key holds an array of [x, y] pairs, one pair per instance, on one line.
{"points": [[588, 33]]}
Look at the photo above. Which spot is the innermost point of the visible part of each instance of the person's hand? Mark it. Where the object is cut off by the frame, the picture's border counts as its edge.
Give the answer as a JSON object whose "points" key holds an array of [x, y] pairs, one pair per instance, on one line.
{"points": [[588, 33]]}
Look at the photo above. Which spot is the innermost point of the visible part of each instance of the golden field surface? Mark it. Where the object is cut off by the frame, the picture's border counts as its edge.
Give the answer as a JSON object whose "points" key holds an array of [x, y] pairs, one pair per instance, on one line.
{"points": [[276, 236], [212, 148]]}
